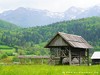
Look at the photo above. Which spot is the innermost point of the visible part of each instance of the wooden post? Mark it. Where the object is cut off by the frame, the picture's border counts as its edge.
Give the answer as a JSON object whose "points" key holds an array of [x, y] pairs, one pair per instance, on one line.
{"points": [[51, 56], [42, 61], [30, 60], [19, 60], [79, 58], [70, 57], [87, 57], [25, 60], [57, 53]]}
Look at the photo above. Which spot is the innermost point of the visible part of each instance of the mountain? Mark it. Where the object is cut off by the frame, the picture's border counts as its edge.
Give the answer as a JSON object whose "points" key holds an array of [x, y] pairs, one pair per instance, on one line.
{"points": [[26, 17], [88, 28], [72, 13], [4, 25], [5, 28], [93, 11]]}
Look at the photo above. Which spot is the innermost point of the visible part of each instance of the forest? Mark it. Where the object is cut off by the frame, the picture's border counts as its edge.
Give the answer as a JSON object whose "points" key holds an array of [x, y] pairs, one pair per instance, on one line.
{"points": [[32, 40]]}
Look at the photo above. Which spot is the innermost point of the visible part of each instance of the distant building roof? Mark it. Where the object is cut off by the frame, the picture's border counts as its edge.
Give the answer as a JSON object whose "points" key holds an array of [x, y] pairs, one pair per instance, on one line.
{"points": [[73, 40], [96, 55]]}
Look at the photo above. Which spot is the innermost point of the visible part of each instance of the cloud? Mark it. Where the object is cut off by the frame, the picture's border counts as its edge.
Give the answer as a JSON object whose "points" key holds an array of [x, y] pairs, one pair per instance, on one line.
{"points": [[52, 5]]}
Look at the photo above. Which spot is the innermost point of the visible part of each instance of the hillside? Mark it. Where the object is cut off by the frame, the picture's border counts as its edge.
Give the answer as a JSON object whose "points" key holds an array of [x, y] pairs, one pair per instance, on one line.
{"points": [[33, 39], [4, 25], [88, 28]]}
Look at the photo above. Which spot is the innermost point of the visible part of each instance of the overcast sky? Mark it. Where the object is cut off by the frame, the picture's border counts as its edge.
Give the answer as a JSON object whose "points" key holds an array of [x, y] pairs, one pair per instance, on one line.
{"points": [[51, 5]]}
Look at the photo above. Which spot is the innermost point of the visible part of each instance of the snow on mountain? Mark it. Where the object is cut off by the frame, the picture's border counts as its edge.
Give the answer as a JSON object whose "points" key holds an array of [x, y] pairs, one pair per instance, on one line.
{"points": [[28, 17], [55, 14]]}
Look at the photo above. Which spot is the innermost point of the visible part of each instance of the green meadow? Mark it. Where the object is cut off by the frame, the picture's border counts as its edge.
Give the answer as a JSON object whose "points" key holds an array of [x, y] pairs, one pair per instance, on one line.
{"points": [[7, 67], [48, 70]]}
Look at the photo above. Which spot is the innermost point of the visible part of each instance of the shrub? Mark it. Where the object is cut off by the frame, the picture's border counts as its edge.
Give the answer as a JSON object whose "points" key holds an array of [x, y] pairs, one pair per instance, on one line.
{"points": [[4, 56], [15, 59]]}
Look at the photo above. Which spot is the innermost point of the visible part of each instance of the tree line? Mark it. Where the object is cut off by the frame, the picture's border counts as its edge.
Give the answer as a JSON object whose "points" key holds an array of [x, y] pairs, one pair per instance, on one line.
{"points": [[27, 38]]}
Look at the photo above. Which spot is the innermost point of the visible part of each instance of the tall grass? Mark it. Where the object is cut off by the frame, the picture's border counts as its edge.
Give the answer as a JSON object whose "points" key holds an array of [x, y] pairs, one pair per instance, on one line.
{"points": [[48, 70]]}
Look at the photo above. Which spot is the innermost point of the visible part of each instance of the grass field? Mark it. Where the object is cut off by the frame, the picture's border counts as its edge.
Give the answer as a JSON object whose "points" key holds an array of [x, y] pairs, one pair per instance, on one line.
{"points": [[42, 69], [48, 70], [6, 49]]}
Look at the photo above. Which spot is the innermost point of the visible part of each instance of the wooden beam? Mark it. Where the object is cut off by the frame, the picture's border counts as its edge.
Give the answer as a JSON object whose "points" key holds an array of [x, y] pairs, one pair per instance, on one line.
{"points": [[79, 58], [70, 57], [87, 57], [57, 52]]}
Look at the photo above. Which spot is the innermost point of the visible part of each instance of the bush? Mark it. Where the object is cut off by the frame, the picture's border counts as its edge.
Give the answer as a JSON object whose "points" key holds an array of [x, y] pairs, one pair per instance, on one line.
{"points": [[15, 59], [4, 56], [9, 54]]}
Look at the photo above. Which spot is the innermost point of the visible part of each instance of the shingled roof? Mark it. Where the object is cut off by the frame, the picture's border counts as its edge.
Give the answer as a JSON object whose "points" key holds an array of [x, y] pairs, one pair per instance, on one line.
{"points": [[73, 40]]}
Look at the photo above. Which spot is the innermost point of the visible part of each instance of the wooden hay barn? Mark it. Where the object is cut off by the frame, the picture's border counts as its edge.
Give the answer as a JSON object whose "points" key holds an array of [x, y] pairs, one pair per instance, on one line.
{"points": [[68, 49], [96, 58]]}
